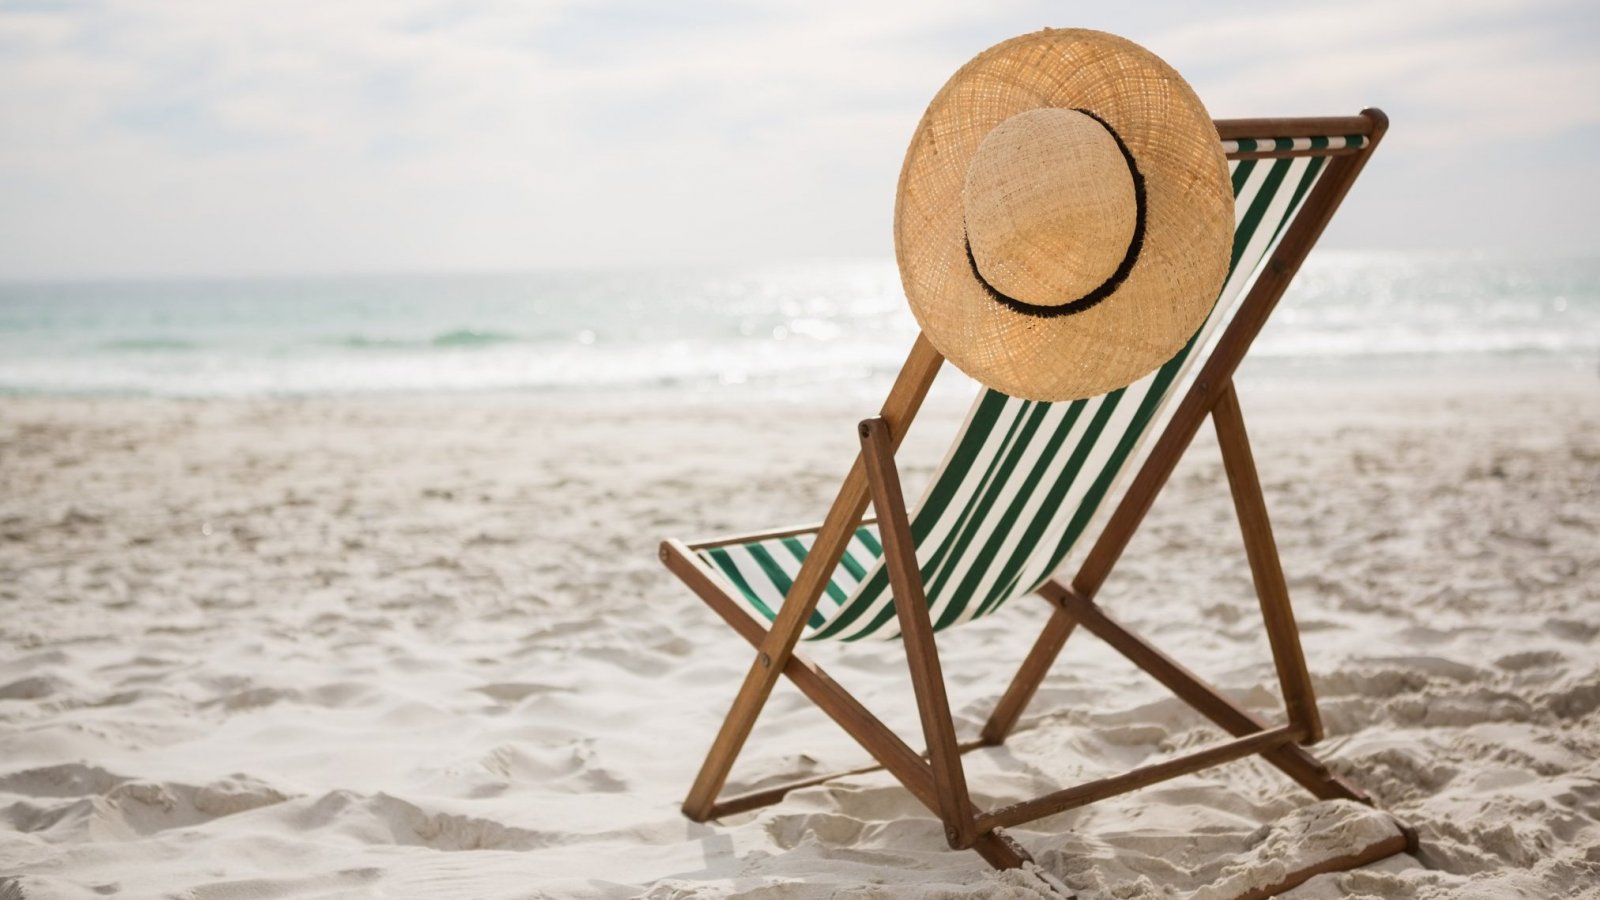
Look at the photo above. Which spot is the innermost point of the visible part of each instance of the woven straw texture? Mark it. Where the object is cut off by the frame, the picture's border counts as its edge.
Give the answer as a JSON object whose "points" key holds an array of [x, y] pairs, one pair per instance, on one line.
{"points": [[1050, 206], [1047, 204]]}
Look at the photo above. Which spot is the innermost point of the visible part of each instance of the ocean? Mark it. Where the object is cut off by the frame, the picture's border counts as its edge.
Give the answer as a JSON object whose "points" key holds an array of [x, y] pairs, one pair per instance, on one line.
{"points": [[782, 328]]}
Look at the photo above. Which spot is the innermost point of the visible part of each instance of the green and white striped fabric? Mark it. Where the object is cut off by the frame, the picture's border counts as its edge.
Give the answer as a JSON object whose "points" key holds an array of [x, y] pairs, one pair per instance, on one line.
{"points": [[1025, 481], [1263, 145]]}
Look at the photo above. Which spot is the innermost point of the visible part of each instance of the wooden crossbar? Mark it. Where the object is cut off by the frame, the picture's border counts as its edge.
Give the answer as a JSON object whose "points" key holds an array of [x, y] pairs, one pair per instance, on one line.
{"points": [[1133, 779], [1207, 699], [1370, 123], [770, 795], [726, 540]]}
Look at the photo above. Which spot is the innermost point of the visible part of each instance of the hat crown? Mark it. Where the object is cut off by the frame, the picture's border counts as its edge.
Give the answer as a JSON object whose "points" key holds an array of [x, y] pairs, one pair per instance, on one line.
{"points": [[1050, 206]]}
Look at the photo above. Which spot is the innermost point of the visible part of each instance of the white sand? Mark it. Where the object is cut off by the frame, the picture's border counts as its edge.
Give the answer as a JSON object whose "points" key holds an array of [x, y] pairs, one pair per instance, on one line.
{"points": [[408, 648]]}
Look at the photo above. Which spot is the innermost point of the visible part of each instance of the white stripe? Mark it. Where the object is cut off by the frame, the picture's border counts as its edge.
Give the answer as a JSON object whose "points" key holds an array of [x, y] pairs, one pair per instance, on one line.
{"points": [[826, 605], [875, 604], [732, 589], [958, 566], [1335, 142], [863, 555], [1061, 515], [1030, 508], [967, 491], [981, 530], [1247, 192], [941, 585], [1116, 426], [786, 561], [941, 529], [755, 576]]}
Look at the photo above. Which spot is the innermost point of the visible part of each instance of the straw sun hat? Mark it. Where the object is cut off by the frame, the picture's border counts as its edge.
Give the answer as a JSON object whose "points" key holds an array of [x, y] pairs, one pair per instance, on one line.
{"points": [[1064, 220]]}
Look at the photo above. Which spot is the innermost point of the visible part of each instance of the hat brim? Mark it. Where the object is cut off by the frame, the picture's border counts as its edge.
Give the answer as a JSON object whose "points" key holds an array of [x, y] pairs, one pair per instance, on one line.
{"points": [[1188, 237]]}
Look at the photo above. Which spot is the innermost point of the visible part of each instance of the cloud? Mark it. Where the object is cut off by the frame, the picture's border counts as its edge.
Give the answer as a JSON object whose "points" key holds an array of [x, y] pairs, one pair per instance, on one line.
{"points": [[1457, 71], [197, 137]]}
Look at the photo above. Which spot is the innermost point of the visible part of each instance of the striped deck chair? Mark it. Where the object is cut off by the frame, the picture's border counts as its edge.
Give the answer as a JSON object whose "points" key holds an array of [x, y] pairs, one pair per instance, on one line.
{"points": [[1023, 484]]}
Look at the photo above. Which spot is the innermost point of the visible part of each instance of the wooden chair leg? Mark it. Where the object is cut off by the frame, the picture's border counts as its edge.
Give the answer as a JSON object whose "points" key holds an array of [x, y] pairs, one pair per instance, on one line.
{"points": [[998, 849], [1265, 567], [1028, 678], [916, 631], [747, 705], [905, 398], [893, 754]]}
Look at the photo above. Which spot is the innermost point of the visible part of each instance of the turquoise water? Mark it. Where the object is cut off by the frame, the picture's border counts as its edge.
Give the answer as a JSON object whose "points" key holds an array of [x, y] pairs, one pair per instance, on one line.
{"points": [[778, 327]]}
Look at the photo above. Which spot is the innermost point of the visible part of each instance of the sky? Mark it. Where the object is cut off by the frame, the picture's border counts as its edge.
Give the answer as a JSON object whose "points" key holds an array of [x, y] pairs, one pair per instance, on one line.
{"points": [[171, 138]]}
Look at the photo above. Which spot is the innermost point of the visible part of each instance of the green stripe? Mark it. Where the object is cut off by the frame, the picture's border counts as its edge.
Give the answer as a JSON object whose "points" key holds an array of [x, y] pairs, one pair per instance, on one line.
{"points": [[884, 615], [1119, 457], [980, 518], [725, 563], [1245, 231], [854, 566], [1003, 529], [1258, 208], [1241, 175], [1069, 475], [936, 563], [865, 536], [778, 577], [798, 551], [1029, 542], [865, 593], [869, 539], [1313, 168], [863, 600], [855, 569], [879, 581], [955, 473], [773, 571]]}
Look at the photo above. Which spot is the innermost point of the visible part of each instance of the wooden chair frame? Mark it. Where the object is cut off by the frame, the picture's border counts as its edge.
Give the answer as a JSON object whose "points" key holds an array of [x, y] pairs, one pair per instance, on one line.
{"points": [[937, 778]]}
